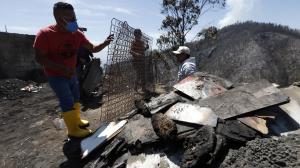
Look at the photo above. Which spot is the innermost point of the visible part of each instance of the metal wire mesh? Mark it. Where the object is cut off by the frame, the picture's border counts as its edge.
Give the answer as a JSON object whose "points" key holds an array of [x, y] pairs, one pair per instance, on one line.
{"points": [[121, 78]]}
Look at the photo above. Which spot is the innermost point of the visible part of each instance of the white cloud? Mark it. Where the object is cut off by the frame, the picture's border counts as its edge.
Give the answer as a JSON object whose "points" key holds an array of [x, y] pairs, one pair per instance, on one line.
{"points": [[122, 10], [103, 8], [92, 9], [239, 10]]}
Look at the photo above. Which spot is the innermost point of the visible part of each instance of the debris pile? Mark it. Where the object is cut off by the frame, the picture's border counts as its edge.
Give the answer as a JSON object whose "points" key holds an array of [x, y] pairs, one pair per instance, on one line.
{"points": [[197, 123], [31, 88], [12, 89]]}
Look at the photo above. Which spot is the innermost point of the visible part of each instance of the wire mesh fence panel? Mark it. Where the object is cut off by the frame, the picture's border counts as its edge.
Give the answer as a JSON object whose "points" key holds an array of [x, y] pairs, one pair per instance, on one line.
{"points": [[125, 72]]}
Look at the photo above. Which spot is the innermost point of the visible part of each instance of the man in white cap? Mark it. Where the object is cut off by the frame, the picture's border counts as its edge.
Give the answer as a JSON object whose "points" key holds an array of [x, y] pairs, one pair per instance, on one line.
{"points": [[187, 63]]}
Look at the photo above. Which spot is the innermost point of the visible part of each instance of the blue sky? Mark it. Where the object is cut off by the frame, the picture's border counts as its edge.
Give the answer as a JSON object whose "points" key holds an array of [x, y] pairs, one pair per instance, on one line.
{"points": [[28, 16]]}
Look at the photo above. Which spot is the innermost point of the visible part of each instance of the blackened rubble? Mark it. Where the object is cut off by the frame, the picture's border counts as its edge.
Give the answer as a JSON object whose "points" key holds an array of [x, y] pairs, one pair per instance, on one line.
{"points": [[153, 139], [12, 89], [164, 127], [268, 152]]}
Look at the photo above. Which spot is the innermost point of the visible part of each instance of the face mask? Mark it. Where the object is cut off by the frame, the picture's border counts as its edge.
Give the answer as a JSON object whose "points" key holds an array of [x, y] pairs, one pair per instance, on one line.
{"points": [[72, 27]]}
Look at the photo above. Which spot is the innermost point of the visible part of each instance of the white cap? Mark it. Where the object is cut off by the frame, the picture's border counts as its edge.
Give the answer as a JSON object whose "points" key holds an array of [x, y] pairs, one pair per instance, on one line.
{"points": [[182, 49]]}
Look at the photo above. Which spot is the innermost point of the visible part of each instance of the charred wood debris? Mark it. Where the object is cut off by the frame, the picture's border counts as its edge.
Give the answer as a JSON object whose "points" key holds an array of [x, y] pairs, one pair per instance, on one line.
{"points": [[200, 122]]}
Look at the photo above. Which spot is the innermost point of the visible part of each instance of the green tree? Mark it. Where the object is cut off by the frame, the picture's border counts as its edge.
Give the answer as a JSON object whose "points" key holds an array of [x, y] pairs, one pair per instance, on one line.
{"points": [[181, 17]]}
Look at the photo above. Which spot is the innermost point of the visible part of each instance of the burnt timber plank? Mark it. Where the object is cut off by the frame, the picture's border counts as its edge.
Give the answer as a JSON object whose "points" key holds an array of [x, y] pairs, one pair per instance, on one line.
{"points": [[244, 99], [158, 103]]}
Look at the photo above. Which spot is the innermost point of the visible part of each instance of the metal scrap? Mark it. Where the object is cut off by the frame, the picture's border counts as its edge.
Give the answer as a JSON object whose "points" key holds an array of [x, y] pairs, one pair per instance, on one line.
{"points": [[101, 136], [245, 99], [199, 87], [192, 113]]}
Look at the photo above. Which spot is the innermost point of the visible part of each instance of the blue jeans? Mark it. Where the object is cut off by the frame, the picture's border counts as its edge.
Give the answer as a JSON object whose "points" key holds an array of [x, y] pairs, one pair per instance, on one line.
{"points": [[66, 90]]}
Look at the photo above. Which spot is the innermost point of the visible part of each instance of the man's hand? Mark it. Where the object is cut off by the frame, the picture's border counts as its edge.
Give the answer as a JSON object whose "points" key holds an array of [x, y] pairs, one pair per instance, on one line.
{"points": [[96, 48], [109, 39]]}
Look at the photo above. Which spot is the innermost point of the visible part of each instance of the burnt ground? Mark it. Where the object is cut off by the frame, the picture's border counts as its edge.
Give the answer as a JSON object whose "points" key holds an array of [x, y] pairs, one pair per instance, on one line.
{"points": [[268, 152], [29, 137]]}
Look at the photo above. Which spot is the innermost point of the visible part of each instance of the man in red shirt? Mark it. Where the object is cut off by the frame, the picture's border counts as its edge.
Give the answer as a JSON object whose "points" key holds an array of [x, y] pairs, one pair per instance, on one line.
{"points": [[56, 47]]}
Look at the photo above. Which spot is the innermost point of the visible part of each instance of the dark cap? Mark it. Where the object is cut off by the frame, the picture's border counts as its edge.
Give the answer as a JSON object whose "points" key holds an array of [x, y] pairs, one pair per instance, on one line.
{"points": [[62, 5]]}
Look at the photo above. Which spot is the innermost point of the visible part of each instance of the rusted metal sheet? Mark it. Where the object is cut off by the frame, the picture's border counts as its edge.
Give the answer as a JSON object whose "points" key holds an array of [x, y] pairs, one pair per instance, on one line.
{"points": [[244, 99], [199, 87], [256, 123], [192, 113]]}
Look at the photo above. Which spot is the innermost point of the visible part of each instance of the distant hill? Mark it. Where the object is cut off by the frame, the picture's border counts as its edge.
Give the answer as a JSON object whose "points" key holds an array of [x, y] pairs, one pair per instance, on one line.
{"points": [[246, 52]]}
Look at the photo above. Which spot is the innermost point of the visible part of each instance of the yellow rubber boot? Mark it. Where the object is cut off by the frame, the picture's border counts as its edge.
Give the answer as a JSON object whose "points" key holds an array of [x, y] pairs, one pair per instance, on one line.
{"points": [[81, 122], [71, 122]]}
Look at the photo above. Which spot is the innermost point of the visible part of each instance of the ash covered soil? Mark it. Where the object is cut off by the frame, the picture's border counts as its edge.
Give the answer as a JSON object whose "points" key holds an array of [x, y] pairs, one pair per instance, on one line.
{"points": [[28, 135], [268, 152]]}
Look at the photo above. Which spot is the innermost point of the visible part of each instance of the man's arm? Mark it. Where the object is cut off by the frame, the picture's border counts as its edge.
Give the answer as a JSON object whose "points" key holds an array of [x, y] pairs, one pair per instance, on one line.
{"points": [[96, 48], [41, 58]]}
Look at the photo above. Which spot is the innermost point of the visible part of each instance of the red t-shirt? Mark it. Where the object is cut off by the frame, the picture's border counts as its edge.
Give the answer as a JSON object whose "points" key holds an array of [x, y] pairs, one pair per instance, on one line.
{"points": [[61, 47]]}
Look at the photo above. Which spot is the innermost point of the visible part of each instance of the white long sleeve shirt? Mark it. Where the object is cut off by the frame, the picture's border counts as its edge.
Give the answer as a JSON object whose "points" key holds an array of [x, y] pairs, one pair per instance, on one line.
{"points": [[188, 67]]}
